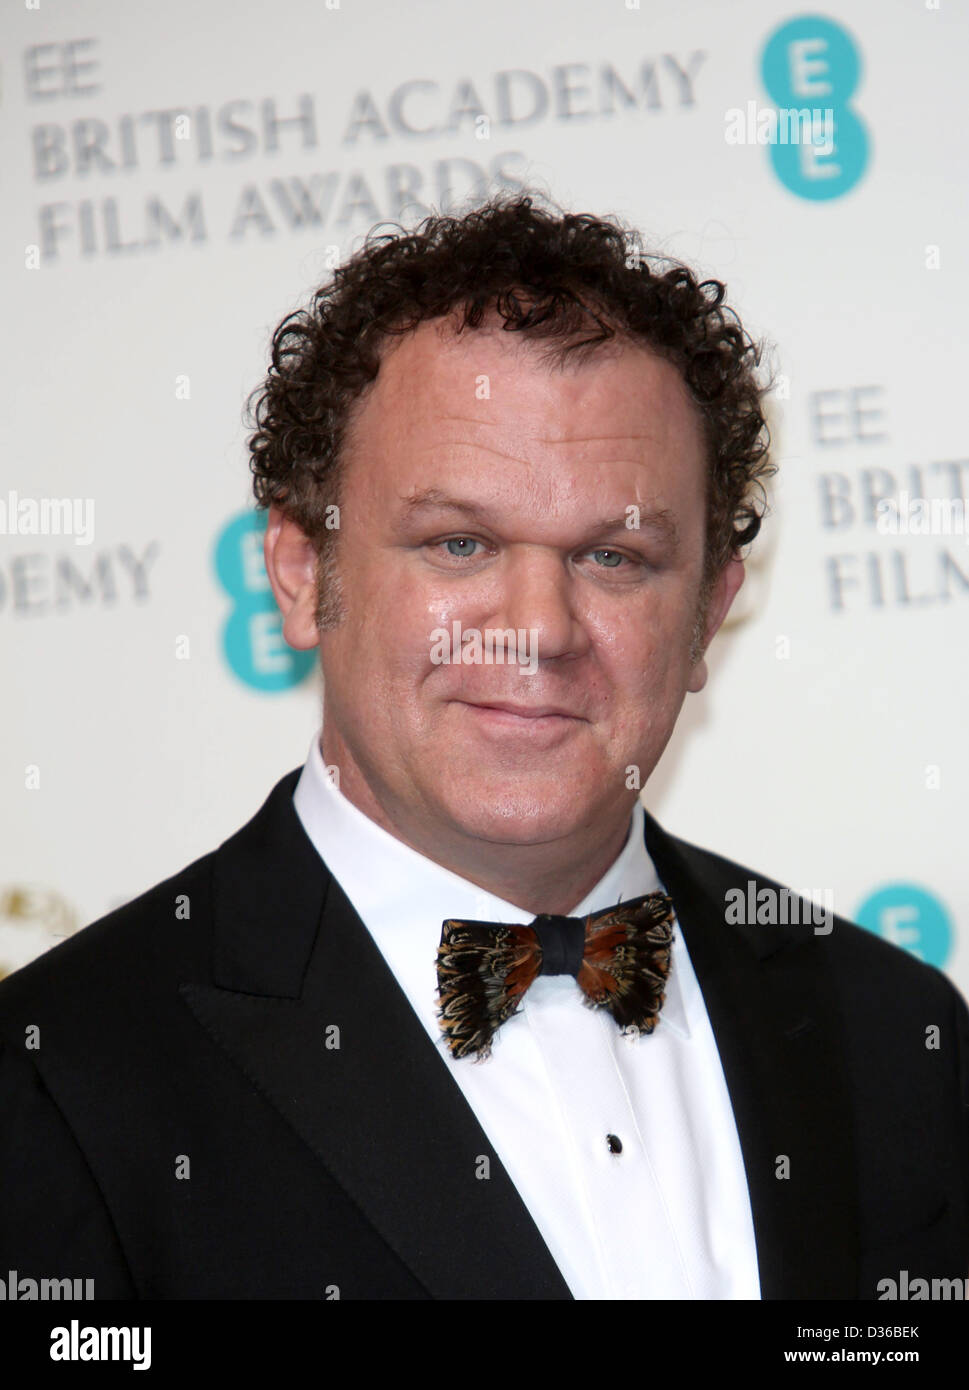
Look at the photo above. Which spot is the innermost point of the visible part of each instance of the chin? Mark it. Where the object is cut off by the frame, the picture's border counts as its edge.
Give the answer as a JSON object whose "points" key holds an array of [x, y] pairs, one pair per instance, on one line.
{"points": [[520, 819]]}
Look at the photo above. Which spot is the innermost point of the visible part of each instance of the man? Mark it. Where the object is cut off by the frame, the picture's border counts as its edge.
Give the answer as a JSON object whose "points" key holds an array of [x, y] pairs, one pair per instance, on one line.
{"points": [[509, 470]]}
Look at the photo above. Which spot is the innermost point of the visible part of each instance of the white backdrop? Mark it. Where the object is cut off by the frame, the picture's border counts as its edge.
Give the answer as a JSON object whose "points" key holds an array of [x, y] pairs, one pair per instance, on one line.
{"points": [[147, 258]]}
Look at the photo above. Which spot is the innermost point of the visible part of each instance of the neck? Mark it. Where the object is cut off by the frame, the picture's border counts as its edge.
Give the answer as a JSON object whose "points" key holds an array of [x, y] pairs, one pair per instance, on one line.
{"points": [[553, 876]]}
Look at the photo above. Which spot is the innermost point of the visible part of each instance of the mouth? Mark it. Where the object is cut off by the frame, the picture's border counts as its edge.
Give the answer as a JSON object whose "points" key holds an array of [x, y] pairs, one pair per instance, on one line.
{"points": [[543, 724], [525, 711]]}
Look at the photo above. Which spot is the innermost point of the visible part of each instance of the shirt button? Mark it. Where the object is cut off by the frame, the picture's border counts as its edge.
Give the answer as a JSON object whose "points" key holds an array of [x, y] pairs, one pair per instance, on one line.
{"points": [[615, 1143]]}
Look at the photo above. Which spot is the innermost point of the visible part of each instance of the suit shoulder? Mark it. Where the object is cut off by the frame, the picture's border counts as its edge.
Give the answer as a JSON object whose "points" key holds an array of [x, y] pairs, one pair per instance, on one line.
{"points": [[851, 948], [121, 946], [145, 947]]}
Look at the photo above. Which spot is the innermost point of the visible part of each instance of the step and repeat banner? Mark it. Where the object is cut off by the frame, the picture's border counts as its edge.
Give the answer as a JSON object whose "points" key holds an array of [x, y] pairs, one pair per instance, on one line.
{"points": [[178, 177]]}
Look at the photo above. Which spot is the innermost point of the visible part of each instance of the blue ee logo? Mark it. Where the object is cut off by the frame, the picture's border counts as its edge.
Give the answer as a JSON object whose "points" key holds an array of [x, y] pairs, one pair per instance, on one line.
{"points": [[252, 639], [910, 917], [811, 64]]}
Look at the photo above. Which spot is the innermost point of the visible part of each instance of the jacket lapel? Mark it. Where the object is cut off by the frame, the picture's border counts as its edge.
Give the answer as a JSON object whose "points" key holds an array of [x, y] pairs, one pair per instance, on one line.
{"points": [[304, 1004], [777, 1025]]}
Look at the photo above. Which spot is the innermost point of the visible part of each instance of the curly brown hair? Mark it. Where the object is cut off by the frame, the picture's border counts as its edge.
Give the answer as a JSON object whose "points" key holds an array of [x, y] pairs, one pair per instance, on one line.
{"points": [[576, 280]]}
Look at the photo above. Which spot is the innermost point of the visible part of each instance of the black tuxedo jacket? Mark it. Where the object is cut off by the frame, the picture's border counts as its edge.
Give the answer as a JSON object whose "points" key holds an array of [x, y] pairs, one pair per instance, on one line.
{"points": [[178, 1123]]}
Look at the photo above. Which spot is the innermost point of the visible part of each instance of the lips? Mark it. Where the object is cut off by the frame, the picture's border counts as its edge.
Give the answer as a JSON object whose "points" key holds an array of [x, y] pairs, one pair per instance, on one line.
{"points": [[524, 711], [532, 729]]}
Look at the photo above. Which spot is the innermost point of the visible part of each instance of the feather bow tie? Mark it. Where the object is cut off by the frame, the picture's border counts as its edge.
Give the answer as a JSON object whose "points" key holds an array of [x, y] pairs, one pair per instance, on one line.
{"points": [[619, 956]]}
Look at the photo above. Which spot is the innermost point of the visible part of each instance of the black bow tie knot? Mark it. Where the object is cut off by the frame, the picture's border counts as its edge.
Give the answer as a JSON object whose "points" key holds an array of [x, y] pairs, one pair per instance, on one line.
{"points": [[562, 942], [620, 957]]}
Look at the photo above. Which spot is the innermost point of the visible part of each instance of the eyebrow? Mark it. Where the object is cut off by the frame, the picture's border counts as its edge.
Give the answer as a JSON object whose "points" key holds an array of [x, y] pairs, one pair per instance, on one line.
{"points": [[657, 519]]}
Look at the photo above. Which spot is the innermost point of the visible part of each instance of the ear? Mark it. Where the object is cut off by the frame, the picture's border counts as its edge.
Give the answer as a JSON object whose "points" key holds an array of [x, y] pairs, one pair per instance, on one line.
{"points": [[725, 591], [291, 567]]}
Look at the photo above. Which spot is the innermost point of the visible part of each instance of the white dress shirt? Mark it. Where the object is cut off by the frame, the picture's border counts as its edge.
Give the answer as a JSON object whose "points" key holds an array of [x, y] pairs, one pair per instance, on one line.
{"points": [[669, 1216]]}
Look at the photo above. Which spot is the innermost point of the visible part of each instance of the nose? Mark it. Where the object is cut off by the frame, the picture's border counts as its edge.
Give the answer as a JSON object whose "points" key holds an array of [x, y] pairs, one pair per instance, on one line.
{"points": [[538, 596]]}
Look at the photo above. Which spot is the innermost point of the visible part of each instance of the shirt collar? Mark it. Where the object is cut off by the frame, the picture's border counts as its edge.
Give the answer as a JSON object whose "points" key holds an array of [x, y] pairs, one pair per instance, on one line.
{"points": [[414, 894]]}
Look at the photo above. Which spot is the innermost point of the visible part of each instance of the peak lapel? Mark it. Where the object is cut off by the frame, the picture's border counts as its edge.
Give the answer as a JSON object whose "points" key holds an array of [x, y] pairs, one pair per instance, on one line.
{"points": [[304, 1004], [778, 1030]]}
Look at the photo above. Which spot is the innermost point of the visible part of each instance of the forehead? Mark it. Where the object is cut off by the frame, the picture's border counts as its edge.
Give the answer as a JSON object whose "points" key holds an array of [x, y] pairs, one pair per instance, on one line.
{"points": [[439, 374], [486, 398]]}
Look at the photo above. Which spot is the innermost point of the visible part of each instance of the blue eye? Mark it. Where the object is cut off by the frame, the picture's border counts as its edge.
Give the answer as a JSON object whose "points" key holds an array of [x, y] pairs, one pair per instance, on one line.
{"points": [[460, 540], [614, 553], [466, 548]]}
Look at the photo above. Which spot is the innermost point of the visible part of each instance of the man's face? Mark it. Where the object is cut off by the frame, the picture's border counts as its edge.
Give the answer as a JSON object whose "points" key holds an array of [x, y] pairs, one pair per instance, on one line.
{"points": [[478, 489]]}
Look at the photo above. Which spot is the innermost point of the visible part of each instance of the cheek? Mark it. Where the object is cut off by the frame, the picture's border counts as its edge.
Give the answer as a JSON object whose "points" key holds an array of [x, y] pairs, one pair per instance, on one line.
{"points": [[648, 683], [635, 648], [397, 651]]}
